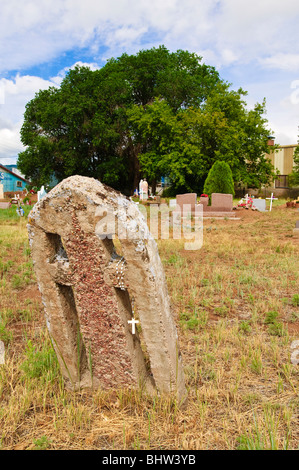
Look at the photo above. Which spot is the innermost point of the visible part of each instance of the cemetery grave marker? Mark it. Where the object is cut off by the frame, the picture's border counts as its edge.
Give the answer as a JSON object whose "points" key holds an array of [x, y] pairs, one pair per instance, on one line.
{"points": [[271, 200], [186, 204], [221, 206], [222, 202], [89, 285], [260, 204]]}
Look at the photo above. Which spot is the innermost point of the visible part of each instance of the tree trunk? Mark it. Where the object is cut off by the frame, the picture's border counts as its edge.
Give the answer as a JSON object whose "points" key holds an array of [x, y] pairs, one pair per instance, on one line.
{"points": [[133, 151], [154, 186]]}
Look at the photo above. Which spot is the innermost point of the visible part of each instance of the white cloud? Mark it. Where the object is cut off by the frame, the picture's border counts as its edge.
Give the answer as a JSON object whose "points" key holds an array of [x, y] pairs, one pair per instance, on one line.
{"points": [[283, 61], [258, 28], [17, 92], [32, 32], [10, 144]]}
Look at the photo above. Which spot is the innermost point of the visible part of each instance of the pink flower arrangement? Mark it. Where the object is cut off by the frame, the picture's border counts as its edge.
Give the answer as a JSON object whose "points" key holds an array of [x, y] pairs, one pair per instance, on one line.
{"points": [[247, 204]]}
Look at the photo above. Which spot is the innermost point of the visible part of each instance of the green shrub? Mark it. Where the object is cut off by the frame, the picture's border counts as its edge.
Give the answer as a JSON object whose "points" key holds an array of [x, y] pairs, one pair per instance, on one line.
{"points": [[219, 179]]}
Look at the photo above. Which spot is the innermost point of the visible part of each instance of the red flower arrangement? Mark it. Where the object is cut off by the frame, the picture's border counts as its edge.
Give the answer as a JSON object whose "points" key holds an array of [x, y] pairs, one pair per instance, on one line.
{"points": [[247, 204], [204, 195]]}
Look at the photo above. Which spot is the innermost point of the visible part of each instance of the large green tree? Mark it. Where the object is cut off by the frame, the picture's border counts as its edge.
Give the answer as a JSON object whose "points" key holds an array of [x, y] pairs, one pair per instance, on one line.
{"points": [[150, 114], [185, 144], [76, 129], [294, 176]]}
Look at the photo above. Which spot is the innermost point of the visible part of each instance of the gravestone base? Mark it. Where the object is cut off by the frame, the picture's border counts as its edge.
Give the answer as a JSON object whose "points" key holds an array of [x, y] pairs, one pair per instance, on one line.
{"points": [[221, 207], [220, 214], [209, 212]]}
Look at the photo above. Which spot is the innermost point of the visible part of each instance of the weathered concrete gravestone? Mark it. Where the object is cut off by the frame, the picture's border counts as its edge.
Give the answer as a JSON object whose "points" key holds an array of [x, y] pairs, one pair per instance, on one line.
{"points": [[87, 286]]}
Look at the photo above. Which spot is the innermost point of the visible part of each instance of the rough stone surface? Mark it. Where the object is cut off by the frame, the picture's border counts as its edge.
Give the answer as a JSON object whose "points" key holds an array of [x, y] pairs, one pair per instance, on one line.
{"points": [[86, 311]]}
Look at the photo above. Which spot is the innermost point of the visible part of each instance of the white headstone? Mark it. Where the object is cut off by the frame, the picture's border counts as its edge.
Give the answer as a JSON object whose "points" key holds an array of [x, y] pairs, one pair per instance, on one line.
{"points": [[260, 204], [145, 190], [140, 188], [41, 193]]}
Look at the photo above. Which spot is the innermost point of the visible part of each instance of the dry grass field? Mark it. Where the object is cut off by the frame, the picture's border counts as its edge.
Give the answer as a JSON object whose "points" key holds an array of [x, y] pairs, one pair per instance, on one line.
{"points": [[236, 305]]}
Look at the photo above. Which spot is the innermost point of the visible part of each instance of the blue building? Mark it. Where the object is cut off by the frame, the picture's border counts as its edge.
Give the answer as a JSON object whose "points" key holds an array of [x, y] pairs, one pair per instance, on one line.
{"points": [[11, 181]]}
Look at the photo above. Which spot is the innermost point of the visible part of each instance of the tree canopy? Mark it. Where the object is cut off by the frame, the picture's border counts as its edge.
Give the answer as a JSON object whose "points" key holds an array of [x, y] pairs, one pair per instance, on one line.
{"points": [[153, 114]]}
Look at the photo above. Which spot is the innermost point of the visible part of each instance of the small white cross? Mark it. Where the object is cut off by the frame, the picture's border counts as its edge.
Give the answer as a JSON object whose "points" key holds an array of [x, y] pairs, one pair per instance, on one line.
{"points": [[271, 199], [133, 322]]}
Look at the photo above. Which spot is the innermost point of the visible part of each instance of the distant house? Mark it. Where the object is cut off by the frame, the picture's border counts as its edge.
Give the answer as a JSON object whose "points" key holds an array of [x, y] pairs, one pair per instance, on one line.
{"points": [[282, 158], [15, 170], [11, 181]]}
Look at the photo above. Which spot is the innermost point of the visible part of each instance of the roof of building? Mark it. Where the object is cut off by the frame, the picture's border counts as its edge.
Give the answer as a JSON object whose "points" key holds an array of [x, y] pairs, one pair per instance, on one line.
{"points": [[3, 167]]}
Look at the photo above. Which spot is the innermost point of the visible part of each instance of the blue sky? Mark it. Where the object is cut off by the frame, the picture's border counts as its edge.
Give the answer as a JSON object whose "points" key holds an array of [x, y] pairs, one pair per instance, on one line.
{"points": [[253, 45]]}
